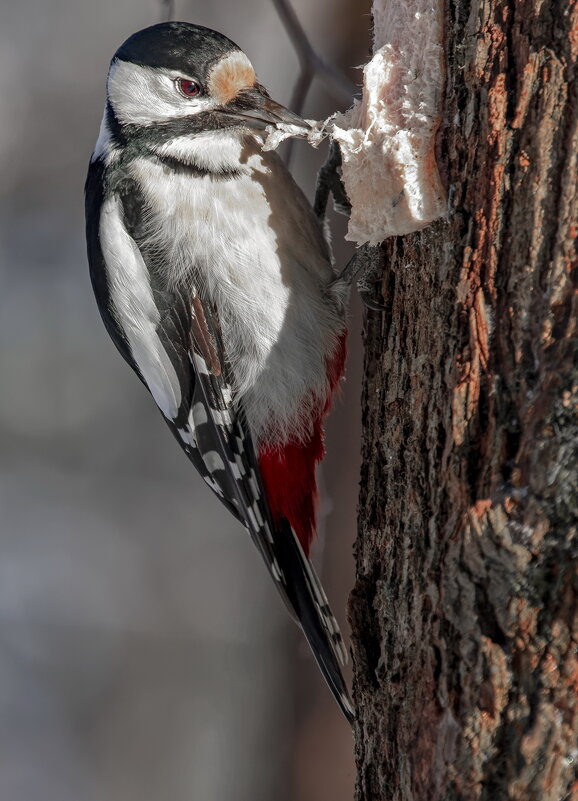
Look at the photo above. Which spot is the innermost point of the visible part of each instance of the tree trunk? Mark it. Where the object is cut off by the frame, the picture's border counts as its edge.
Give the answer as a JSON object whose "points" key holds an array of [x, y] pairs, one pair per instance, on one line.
{"points": [[464, 612]]}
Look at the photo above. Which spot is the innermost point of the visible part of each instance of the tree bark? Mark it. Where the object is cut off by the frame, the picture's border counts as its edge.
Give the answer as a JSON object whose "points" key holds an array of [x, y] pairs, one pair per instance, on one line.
{"points": [[464, 611]]}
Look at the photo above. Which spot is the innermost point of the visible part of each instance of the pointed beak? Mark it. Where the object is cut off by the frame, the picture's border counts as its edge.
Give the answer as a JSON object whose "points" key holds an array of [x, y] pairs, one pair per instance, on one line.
{"points": [[255, 109]]}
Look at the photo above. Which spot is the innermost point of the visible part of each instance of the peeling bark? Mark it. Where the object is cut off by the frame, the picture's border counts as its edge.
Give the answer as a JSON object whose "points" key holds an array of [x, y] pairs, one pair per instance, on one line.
{"points": [[464, 612]]}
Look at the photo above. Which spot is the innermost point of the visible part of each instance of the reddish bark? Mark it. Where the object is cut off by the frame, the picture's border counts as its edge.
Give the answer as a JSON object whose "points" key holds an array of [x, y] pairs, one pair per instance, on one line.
{"points": [[464, 612]]}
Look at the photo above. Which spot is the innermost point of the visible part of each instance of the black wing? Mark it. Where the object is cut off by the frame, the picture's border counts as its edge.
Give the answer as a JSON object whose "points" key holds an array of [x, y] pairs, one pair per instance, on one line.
{"points": [[224, 433]]}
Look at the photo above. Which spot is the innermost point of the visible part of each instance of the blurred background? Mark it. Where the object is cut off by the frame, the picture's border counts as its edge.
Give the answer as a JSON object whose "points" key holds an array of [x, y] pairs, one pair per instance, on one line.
{"points": [[144, 653]]}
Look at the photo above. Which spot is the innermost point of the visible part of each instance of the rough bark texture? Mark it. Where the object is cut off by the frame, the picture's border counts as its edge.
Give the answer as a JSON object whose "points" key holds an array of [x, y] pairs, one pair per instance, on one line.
{"points": [[464, 612]]}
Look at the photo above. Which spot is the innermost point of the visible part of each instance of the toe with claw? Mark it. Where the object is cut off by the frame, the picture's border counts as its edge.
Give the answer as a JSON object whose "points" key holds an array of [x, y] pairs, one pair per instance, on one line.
{"points": [[366, 265]]}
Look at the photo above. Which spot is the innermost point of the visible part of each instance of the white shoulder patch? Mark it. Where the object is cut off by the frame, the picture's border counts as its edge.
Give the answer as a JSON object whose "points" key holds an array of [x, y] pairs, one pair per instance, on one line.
{"points": [[135, 310]]}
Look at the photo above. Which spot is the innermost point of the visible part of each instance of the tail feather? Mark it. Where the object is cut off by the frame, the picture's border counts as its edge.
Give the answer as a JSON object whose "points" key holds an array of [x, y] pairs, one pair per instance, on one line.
{"points": [[306, 595]]}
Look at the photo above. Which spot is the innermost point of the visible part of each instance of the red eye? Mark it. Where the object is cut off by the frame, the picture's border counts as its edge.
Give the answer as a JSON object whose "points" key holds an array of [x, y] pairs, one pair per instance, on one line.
{"points": [[188, 88]]}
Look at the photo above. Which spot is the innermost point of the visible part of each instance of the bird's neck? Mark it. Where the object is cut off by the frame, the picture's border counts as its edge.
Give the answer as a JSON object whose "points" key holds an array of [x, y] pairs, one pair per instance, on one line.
{"points": [[215, 152], [178, 145]]}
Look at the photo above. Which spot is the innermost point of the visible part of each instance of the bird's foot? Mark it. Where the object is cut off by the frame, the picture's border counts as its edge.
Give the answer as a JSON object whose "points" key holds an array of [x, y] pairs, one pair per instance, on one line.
{"points": [[329, 182], [367, 262], [366, 265]]}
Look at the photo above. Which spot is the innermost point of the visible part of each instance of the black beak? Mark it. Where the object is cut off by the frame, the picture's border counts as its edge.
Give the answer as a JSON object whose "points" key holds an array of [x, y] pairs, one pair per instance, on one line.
{"points": [[254, 108]]}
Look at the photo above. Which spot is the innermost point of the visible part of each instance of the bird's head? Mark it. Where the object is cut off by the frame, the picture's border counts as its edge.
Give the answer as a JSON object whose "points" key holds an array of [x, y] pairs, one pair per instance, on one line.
{"points": [[191, 77]]}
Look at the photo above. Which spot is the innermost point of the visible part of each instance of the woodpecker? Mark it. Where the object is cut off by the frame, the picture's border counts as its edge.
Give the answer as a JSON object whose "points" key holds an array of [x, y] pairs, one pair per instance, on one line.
{"points": [[214, 280]]}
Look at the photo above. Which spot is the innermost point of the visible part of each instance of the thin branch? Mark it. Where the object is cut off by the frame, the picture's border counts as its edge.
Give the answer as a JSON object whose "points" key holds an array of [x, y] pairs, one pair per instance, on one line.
{"points": [[312, 64], [337, 83], [300, 90]]}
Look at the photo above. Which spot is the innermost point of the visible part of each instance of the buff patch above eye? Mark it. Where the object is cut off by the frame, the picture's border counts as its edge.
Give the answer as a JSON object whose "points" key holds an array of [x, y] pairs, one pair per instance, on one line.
{"points": [[230, 75]]}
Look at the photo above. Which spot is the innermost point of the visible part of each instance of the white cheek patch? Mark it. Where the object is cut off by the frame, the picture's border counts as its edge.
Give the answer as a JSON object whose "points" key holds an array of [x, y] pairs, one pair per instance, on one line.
{"points": [[214, 151], [143, 95], [135, 309]]}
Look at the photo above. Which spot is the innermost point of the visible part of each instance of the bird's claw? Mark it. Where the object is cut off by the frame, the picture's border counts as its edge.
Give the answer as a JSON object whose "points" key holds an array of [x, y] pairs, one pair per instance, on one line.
{"points": [[366, 291], [367, 262], [366, 265]]}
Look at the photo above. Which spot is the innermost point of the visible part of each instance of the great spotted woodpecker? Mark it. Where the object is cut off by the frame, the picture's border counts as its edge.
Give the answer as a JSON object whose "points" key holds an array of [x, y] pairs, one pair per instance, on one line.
{"points": [[215, 282]]}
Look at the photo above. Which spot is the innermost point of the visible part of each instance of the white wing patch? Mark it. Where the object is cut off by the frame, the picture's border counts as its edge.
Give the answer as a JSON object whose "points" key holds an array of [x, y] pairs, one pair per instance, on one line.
{"points": [[213, 461], [199, 415], [135, 310], [187, 437]]}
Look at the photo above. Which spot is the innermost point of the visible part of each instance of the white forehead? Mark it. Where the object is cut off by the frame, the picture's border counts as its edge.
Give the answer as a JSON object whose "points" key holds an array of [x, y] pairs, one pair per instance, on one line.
{"points": [[143, 95]]}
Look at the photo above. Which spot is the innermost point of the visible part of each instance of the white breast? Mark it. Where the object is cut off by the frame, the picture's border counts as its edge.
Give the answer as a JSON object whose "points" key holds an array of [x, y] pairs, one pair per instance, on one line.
{"points": [[251, 245]]}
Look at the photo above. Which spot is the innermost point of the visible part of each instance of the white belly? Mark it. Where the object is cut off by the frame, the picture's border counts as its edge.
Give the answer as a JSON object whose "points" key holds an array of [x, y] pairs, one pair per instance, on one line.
{"points": [[250, 245]]}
